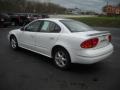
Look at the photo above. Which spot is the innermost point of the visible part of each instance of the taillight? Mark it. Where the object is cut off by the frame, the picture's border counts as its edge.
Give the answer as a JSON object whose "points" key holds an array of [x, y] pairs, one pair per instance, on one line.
{"points": [[90, 43], [109, 38]]}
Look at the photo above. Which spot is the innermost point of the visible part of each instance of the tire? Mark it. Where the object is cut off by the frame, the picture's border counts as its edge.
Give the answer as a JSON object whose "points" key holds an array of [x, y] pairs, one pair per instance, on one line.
{"points": [[62, 59], [13, 43]]}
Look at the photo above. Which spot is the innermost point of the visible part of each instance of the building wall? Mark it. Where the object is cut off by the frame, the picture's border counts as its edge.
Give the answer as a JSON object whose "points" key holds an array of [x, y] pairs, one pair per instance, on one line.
{"points": [[111, 10]]}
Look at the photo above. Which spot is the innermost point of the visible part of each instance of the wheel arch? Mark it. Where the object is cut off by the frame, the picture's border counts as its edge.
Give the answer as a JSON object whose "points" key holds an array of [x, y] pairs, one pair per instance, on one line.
{"points": [[56, 47], [12, 35]]}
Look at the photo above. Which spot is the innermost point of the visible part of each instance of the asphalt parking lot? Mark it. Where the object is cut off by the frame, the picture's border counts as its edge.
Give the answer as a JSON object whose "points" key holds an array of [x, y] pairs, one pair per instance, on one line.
{"points": [[24, 70]]}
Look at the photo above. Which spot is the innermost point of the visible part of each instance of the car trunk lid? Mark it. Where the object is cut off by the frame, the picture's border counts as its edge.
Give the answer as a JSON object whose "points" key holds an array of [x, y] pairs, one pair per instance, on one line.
{"points": [[103, 37]]}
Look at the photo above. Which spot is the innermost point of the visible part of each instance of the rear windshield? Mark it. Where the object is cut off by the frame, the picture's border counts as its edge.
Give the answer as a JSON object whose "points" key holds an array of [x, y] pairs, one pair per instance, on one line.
{"points": [[75, 26]]}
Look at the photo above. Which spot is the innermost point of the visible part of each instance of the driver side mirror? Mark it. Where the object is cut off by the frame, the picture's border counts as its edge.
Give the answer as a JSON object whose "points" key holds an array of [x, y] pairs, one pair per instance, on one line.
{"points": [[22, 29]]}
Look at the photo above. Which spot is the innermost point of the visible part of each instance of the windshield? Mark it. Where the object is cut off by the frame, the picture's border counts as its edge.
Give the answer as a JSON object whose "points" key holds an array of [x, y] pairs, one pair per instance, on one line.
{"points": [[75, 26]]}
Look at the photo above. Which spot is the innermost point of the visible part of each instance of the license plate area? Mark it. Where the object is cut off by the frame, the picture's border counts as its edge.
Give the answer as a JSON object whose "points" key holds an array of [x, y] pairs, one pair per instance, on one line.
{"points": [[103, 41], [103, 38]]}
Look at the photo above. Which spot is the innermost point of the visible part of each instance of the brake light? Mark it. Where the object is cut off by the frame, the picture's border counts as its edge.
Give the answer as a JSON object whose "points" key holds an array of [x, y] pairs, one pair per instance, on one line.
{"points": [[90, 43], [109, 38]]}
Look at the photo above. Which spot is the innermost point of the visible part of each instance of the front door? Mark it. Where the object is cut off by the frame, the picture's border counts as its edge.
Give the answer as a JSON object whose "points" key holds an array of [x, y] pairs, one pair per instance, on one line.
{"points": [[27, 37]]}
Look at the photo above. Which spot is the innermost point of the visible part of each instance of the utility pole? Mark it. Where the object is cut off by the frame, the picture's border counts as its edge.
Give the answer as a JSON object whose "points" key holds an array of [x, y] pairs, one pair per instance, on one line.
{"points": [[107, 1]]}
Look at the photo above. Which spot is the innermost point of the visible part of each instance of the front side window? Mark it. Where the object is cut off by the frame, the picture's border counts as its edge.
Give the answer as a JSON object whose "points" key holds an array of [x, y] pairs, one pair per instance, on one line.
{"points": [[33, 27], [75, 26], [50, 27]]}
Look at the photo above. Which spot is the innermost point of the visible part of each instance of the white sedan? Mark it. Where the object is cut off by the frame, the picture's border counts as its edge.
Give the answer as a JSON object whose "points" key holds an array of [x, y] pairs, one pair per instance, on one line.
{"points": [[66, 41]]}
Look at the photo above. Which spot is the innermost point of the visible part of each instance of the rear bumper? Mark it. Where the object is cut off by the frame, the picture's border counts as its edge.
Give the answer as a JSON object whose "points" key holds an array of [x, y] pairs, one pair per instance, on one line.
{"points": [[92, 56]]}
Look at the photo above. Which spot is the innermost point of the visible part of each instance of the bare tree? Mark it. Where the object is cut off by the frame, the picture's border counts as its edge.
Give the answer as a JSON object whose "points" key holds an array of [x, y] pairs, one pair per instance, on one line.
{"points": [[29, 6]]}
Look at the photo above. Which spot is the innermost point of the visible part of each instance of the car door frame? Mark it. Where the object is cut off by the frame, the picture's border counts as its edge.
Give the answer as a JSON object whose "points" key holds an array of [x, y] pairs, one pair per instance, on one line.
{"points": [[31, 35]]}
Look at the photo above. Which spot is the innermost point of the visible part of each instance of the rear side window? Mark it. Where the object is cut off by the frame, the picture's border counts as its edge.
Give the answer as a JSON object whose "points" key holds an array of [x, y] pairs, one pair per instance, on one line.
{"points": [[50, 27], [75, 26], [45, 26]]}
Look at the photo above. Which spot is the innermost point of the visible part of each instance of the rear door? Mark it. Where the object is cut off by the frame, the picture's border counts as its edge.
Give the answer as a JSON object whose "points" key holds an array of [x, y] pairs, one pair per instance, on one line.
{"points": [[47, 37]]}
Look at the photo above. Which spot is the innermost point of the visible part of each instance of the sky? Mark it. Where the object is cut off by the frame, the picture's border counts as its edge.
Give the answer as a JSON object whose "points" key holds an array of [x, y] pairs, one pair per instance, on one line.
{"points": [[94, 5]]}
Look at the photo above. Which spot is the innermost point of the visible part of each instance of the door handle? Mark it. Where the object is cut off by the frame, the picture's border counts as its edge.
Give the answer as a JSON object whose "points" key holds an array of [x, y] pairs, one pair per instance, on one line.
{"points": [[51, 38], [32, 36]]}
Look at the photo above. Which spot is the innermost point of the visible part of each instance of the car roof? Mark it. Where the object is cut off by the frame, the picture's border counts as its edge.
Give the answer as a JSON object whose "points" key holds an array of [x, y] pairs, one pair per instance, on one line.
{"points": [[54, 19]]}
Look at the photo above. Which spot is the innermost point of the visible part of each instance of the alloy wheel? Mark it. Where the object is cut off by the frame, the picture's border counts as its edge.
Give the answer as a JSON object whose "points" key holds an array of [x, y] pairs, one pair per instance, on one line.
{"points": [[60, 59]]}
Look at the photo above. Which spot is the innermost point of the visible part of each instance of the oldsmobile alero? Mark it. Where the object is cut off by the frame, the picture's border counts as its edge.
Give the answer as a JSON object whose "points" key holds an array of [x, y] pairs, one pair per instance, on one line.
{"points": [[66, 41]]}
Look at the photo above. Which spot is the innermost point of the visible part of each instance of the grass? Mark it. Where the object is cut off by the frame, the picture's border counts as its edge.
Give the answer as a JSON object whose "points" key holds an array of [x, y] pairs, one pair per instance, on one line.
{"points": [[100, 21]]}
